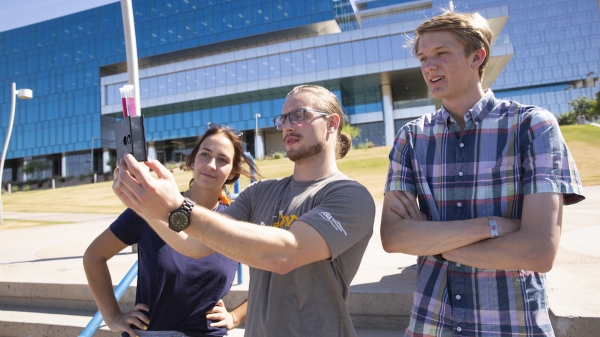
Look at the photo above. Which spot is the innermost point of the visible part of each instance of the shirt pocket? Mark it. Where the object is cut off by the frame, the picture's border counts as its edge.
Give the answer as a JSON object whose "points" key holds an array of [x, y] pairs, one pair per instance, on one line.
{"points": [[496, 191]]}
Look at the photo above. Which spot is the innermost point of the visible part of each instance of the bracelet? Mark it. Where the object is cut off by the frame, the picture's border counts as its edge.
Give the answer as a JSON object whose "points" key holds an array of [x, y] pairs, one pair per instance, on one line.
{"points": [[493, 227]]}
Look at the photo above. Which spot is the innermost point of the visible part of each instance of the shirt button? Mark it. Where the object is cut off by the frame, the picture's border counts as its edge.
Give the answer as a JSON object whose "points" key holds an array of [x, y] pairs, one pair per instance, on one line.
{"points": [[476, 123], [459, 329], [459, 204], [458, 297], [461, 144], [460, 174]]}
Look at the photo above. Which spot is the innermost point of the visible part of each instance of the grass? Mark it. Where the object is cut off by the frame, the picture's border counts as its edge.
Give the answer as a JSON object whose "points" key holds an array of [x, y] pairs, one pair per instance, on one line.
{"points": [[367, 166], [12, 224], [584, 143]]}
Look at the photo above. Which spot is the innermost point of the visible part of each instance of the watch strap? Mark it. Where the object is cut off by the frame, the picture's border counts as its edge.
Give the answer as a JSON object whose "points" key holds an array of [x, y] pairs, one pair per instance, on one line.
{"points": [[493, 227], [186, 206]]}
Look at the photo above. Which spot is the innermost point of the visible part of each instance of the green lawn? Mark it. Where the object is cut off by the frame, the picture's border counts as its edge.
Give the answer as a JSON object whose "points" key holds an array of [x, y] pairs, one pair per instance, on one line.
{"points": [[584, 143], [367, 166]]}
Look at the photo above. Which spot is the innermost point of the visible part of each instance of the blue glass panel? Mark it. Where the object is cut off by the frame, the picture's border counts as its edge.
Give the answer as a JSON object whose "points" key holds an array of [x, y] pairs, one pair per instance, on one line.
{"points": [[358, 52], [346, 51], [298, 62], [252, 66], [152, 86], [210, 77], [263, 68], [180, 82], [190, 80], [162, 85], [221, 72], [231, 73]]}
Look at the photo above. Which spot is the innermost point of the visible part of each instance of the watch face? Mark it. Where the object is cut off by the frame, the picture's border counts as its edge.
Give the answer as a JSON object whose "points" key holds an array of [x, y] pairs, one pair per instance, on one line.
{"points": [[178, 221]]}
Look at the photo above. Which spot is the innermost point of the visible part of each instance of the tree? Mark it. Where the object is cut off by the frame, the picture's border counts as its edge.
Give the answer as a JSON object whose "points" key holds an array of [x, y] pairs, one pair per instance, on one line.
{"points": [[582, 106], [352, 131], [35, 167]]}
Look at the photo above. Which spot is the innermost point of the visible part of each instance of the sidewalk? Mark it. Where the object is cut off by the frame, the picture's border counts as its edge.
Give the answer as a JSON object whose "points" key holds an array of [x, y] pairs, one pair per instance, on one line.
{"points": [[52, 254]]}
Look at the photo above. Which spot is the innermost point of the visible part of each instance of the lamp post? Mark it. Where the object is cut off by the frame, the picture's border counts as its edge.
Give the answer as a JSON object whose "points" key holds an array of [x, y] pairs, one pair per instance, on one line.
{"points": [[256, 137], [23, 94], [92, 158]]}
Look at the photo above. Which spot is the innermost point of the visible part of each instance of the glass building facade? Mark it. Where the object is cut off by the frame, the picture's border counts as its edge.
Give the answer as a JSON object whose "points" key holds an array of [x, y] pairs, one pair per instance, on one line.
{"points": [[227, 61]]}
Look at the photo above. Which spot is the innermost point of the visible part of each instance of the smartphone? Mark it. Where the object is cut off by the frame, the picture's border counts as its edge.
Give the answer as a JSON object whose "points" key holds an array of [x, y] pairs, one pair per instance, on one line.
{"points": [[130, 137]]}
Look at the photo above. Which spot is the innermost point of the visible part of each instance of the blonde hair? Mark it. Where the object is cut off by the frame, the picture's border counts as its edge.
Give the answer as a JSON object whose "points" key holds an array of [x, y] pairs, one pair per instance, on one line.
{"points": [[471, 29], [326, 101]]}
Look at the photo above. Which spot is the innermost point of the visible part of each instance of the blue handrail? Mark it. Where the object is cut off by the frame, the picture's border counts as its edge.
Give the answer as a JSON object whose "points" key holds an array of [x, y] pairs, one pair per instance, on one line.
{"points": [[94, 324], [236, 191]]}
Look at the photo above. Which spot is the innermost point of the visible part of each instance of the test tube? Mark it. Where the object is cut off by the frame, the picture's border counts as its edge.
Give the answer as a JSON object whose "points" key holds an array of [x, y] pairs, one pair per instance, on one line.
{"points": [[124, 101], [128, 100], [131, 99]]}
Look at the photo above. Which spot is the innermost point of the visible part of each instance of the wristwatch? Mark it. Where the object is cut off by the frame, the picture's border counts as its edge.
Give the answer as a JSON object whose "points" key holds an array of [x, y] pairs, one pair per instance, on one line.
{"points": [[179, 219]]}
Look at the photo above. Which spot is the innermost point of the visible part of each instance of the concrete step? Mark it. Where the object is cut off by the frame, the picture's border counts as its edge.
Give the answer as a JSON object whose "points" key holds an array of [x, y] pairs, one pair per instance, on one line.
{"points": [[49, 309], [44, 322]]}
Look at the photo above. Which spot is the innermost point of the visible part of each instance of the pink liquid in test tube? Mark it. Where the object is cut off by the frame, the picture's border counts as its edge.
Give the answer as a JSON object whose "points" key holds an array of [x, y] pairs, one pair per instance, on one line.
{"points": [[131, 105], [124, 103]]}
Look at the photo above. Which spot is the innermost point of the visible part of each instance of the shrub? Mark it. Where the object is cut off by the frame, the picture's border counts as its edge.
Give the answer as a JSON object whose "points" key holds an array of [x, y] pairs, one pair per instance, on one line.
{"points": [[278, 155], [15, 188], [26, 188], [171, 165], [568, 118], [81, 177]]}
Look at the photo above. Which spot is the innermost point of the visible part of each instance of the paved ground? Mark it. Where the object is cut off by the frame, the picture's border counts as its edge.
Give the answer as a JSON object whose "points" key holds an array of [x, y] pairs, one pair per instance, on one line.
{"points": [[52, 254]]}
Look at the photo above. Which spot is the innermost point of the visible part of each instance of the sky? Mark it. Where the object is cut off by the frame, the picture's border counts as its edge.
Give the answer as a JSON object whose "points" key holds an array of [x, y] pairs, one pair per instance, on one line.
{"points": [[15, 14]]}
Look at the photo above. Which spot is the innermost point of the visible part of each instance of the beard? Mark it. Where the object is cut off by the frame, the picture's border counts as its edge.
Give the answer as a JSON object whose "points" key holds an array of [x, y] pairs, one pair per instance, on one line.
{"points": [[303, 153]]}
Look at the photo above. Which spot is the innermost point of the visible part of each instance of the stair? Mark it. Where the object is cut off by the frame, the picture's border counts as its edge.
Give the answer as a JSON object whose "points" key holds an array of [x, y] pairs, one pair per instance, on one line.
{"points": [[48, 310]]}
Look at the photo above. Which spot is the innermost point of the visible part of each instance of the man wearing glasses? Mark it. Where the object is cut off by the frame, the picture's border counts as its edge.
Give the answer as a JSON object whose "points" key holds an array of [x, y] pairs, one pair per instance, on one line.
{"points": [[300, 275]]}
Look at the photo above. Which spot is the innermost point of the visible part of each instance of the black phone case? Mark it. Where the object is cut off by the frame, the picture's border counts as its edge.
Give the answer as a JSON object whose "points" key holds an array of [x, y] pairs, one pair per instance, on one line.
{"points": [[130, 137]]}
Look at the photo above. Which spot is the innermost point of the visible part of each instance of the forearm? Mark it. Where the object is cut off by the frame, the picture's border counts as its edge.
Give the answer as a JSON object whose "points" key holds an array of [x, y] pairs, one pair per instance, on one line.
{"points": [[523, 250], [181, 242], [266, 248], [100, 282], [532, 247], [238, 315], [416, 237]]}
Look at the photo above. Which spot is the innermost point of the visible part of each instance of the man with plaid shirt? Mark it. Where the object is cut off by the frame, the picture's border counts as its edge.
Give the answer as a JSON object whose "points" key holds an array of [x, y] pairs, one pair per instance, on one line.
{"points": [[491, 177]]}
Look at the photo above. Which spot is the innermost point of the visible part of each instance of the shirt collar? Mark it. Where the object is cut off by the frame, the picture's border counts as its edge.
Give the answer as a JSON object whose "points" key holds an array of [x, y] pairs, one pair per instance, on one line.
{"points": [[478, 112]]}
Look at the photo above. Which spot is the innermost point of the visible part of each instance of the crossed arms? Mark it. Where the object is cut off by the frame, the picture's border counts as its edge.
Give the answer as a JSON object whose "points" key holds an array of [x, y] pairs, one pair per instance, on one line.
{"points": [[530, 243]]}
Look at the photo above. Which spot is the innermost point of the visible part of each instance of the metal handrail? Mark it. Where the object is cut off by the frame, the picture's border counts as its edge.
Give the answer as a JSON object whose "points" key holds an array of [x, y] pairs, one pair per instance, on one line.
{"points": [[94, 324], [236, 191]]}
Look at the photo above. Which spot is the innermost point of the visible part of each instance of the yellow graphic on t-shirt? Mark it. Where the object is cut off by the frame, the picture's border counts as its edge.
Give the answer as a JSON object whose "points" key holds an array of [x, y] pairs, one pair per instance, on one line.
{"points": [[285, 220]]}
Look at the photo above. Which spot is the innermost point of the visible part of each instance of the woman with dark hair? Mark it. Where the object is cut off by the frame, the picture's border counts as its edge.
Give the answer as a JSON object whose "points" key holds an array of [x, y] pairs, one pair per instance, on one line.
{"points": [[174, 292]]}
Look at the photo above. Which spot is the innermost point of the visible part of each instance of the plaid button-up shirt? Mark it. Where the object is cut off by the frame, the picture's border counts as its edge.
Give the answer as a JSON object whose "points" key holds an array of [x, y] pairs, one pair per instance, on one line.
{"points": [[505, 152]]}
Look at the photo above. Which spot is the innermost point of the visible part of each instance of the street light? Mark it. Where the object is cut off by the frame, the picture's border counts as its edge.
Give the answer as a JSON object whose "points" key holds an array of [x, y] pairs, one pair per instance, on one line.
{"points": [[22, 94], [92, 159], [256, 145]]}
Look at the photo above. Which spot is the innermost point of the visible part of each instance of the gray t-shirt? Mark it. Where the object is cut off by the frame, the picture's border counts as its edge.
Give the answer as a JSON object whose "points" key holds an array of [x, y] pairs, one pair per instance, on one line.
{"points": [[310, 300]]}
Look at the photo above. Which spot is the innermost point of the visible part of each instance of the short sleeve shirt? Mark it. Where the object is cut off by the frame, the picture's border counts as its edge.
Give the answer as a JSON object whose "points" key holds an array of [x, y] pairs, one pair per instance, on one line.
{"points": [[310, 300], [506, 151], [179, 290]]}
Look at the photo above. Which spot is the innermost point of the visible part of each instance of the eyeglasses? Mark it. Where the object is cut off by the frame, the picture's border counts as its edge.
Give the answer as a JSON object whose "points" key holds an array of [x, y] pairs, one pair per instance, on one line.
{"points": [[233, 131], [296, 116]]}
